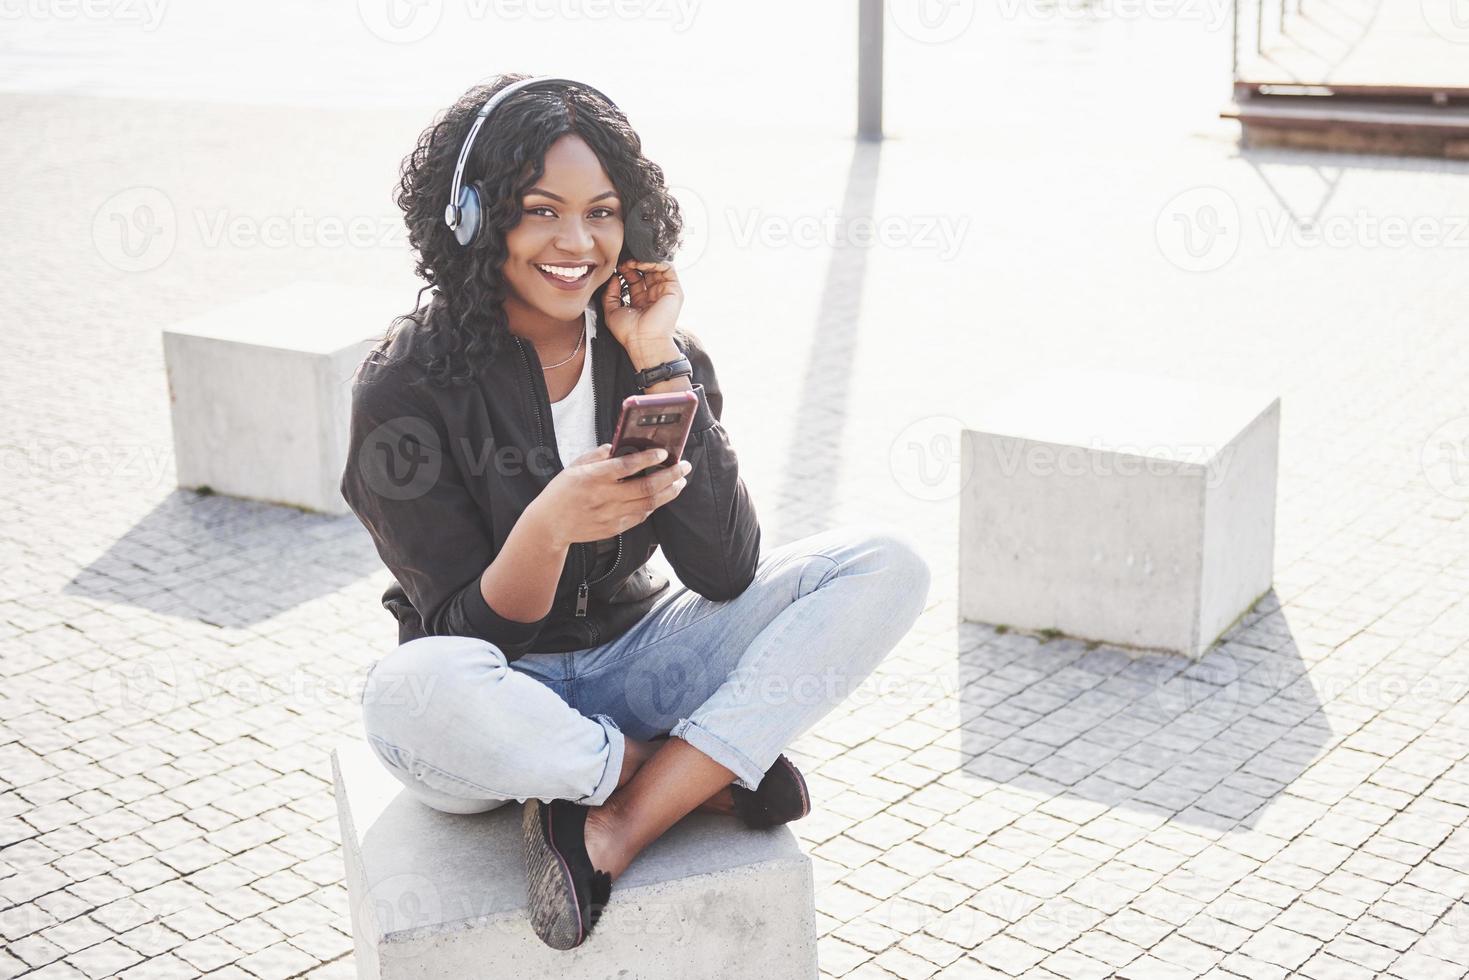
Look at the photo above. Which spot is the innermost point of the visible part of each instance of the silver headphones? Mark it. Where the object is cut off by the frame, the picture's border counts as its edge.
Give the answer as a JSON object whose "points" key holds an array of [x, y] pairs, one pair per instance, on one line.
{"points": [[464, 212]]}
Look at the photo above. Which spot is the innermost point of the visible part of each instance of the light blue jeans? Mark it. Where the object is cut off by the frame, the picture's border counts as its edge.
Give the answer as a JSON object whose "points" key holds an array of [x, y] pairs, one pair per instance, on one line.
{"points": [[739, 680]]}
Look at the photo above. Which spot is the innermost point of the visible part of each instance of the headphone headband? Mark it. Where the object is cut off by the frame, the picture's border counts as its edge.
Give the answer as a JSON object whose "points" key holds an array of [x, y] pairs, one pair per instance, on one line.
{"points": [[463, 211]]}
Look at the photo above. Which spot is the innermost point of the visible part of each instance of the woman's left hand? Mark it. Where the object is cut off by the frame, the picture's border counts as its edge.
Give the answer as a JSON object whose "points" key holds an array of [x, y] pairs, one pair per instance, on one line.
{"points": [[656, 297]]}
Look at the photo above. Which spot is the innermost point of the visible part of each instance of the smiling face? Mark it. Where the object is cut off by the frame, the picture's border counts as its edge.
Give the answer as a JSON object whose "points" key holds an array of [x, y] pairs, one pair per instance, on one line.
{"points": [[571, 220]]}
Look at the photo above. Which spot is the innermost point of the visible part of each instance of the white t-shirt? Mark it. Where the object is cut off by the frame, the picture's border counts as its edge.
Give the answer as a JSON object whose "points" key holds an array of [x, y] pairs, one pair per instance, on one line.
{"points": [[571, 418]]}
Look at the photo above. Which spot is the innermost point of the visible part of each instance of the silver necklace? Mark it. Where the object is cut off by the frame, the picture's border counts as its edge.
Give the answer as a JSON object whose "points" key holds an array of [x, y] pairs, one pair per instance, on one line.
{"points": [[574, 350]]}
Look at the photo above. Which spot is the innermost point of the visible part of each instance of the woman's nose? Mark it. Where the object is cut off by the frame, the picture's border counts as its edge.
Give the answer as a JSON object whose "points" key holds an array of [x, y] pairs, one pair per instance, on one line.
{"points": [[574, 238]]}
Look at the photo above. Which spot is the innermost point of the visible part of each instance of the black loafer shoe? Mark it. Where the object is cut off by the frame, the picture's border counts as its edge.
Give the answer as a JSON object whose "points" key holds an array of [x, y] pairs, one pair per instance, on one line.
{"points": [[565, 894], [780, 798]]}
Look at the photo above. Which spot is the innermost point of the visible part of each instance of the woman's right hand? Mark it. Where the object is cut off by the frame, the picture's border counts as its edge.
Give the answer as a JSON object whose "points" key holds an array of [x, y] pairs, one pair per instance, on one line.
{"points": [[585, 501]]}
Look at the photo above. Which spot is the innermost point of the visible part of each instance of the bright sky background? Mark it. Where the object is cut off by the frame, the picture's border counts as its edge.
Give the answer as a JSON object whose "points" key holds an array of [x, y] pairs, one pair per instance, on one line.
{"points": [[1132, 64]]}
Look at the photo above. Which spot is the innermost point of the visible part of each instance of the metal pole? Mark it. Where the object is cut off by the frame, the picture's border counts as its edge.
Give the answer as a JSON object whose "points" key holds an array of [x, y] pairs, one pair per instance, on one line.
{"points": [[869, 69], [1234, 45]]}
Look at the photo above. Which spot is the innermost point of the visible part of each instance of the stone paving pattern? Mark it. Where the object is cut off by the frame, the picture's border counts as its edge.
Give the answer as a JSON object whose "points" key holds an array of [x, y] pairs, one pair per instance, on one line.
{"points": [[989, 803]]}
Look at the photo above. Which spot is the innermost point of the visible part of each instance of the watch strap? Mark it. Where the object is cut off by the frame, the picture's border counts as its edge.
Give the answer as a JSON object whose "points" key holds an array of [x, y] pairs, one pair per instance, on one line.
{"points": [[679, 367]]}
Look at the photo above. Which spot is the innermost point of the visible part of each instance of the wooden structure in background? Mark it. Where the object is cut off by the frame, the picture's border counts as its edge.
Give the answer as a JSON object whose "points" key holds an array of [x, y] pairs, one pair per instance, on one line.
{"points": [[1383, 76]]}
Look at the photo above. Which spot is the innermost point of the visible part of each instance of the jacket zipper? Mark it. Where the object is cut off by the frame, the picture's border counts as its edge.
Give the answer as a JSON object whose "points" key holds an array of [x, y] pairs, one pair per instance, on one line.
{"points": [[581, 592], [581, 589]]}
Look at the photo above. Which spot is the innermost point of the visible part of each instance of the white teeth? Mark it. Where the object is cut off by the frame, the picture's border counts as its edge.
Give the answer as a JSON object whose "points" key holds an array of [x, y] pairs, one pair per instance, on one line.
{"points": [[569, 273]]}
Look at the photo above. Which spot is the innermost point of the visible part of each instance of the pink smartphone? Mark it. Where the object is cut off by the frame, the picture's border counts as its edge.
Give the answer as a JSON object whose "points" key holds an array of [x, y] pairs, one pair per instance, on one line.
{"points": [[652, 422]]}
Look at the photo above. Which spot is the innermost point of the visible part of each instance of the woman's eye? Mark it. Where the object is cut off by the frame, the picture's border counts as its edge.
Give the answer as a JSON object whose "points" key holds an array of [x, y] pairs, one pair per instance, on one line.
{"points": [[609, 212]]}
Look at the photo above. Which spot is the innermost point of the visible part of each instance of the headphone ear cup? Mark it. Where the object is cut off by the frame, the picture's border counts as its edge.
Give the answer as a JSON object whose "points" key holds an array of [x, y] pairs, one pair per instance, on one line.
{"points": [[470, 216]]}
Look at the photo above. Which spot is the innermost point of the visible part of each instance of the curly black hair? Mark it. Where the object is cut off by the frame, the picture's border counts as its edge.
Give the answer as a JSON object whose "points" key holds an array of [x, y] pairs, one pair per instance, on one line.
{"points": [[466, 322]]}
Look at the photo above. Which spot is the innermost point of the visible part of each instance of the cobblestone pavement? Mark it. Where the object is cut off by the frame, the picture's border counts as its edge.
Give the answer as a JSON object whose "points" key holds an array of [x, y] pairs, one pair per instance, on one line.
{"points": [[989, 804]]}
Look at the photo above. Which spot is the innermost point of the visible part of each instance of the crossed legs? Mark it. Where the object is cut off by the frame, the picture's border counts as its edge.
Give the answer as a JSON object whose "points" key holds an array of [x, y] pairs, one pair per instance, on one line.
{"points": [[731, 681], [666, 780], [827, 607]]}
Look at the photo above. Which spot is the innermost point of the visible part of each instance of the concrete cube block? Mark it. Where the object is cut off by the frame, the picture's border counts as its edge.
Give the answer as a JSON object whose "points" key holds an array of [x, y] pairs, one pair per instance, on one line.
{"points": [[260, 391], [435, 895], [1131, 509]]}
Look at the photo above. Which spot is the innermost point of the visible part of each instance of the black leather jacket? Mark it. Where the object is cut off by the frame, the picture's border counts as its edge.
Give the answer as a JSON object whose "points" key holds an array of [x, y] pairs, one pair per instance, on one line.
{"points": [[439, 476]]}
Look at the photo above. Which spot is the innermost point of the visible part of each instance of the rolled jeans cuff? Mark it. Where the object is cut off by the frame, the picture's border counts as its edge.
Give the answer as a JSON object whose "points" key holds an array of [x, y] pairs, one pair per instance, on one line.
{"points": [[616, 746], [747, 773]]}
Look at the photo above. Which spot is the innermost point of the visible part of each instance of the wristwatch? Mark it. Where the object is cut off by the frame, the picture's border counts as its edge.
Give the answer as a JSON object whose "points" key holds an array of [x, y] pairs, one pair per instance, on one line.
{"points": [[662, 372]]}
